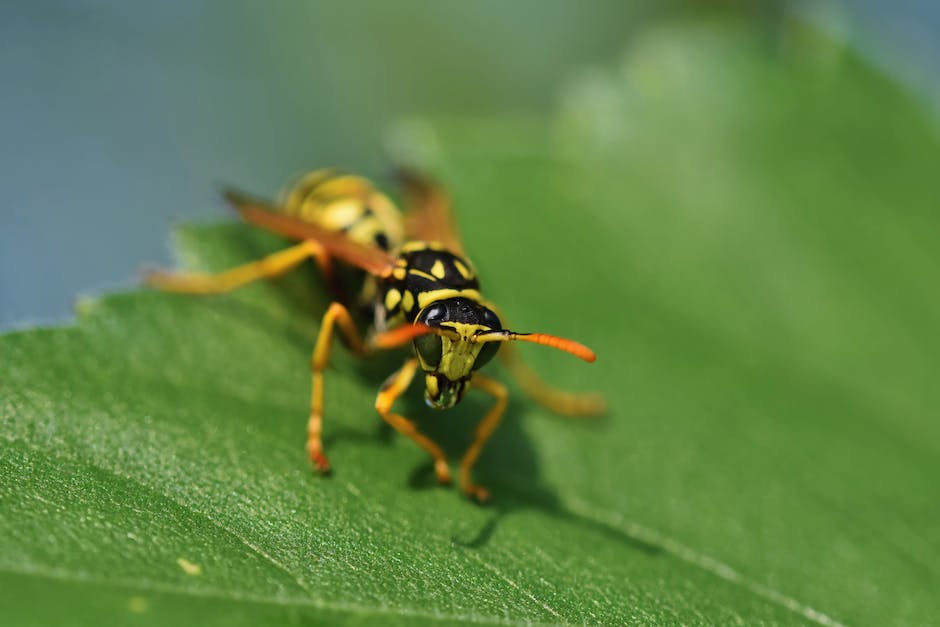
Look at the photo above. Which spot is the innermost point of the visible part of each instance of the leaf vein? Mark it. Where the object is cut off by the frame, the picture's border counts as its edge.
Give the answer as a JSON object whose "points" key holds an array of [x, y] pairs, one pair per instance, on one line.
{"points": [[504, 577], [700, 560]]}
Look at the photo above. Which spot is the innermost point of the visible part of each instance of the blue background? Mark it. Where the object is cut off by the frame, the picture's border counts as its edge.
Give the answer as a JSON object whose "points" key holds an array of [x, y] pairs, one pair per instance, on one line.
{"points": [[117, 120]]}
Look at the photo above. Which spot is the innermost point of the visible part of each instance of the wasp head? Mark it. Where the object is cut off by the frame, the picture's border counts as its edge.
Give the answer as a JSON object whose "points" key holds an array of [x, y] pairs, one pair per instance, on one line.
{"points": [[448, 360]]}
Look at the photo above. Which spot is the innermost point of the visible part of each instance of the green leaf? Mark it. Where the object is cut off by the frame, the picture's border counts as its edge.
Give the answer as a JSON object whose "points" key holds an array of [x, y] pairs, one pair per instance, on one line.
{"points": [[747, 236]]}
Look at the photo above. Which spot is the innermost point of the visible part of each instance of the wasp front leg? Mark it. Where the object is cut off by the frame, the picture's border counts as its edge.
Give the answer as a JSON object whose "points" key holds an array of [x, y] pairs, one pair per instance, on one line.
{"points": [[337, 314], [393, 388], [484, 430]]}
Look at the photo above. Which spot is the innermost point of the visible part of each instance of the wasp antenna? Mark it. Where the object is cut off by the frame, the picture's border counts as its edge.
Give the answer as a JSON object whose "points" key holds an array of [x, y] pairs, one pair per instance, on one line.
{"points": [[577, 349], [399, 336], [234, 197]]}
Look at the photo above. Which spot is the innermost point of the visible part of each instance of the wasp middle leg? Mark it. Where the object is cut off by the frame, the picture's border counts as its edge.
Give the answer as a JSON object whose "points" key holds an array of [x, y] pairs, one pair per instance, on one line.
{"points": [[336, 315]]}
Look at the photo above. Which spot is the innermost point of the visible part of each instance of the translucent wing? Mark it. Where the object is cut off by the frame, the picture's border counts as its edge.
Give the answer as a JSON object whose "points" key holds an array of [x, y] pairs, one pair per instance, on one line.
{"points": [[429, 216], [372, 259]]}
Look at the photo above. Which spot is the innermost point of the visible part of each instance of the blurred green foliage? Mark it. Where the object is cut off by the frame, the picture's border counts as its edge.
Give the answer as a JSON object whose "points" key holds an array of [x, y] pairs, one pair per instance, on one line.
{"points": [[747, 235]]}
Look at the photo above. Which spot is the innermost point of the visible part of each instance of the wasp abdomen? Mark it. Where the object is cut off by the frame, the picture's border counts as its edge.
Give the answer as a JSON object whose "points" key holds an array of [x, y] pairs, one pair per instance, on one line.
{"points": [[345, 203]]}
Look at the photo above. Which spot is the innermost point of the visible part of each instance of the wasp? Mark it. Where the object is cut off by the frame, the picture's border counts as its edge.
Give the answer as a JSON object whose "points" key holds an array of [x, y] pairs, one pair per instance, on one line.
{"points": [[420, 289]]}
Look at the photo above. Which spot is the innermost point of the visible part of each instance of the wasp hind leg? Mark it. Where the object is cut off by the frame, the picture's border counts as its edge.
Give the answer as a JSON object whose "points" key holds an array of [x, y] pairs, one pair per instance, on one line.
{"points": [[268, 267], [393, 388], [562, 402], [337, 314]]}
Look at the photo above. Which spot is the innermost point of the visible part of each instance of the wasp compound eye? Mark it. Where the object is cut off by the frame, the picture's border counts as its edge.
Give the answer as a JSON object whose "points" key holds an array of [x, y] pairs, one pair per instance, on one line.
{"points": [[433, 315], [430, 347], [487, 352], [491, 320]]}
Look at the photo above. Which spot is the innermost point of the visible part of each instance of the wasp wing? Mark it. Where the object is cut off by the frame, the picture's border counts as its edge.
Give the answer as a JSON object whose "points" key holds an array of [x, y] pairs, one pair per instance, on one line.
{"points": [[429, 217], [372, 259]]}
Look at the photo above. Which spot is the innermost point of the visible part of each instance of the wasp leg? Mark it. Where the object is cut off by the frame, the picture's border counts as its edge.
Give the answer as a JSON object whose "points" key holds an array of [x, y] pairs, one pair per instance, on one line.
{"points": [[558, 401], [337, 314], [271, 266], [484, 430], [394, 387]]}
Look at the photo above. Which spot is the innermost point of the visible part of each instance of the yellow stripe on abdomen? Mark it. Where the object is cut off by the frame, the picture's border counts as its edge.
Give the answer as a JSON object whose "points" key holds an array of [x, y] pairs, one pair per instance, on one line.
{"points": [[345, 203]]}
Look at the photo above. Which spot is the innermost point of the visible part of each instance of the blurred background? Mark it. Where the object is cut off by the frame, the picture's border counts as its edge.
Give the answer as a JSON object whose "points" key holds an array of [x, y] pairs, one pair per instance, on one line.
{"points": [[118, 119]]}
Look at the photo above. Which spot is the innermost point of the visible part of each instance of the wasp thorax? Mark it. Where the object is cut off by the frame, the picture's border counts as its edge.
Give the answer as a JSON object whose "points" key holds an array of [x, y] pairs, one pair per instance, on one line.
{"points": [[449, 360]]}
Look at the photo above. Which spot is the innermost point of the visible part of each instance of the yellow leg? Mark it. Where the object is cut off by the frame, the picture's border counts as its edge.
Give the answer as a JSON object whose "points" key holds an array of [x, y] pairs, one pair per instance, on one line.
{"points": [[553, 399], [394, 387], [483, 432], [271, 266], [337, 314]]}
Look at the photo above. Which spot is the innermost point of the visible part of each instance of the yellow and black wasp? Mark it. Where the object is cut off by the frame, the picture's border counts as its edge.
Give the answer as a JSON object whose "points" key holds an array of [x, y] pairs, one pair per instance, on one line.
{"points": [[420, 288]]}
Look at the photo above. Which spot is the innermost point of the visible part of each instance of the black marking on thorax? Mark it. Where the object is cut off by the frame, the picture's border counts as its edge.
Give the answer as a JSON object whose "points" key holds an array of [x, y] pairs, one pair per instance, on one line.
{"points": [[430, 269], [424, 271]]}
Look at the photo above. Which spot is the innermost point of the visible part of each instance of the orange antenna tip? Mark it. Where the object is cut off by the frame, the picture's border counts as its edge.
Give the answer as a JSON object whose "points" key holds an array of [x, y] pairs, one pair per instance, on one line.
{"points": [[577, 349], [563, 344]]}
